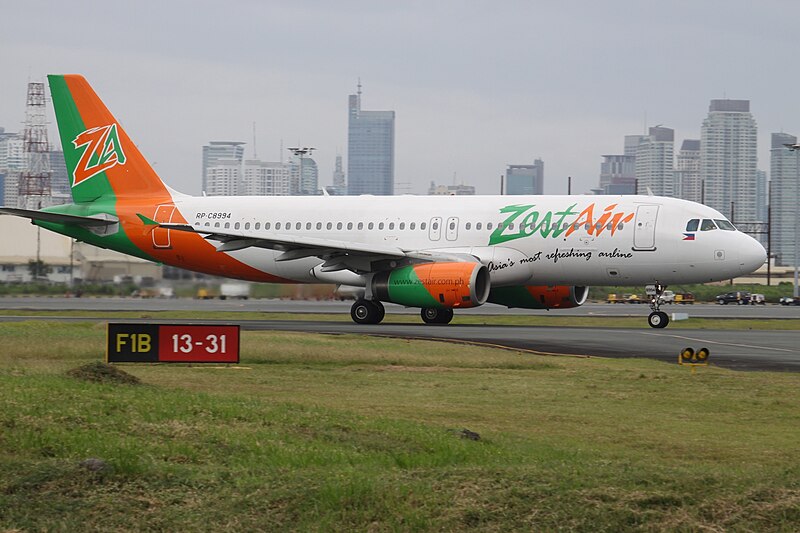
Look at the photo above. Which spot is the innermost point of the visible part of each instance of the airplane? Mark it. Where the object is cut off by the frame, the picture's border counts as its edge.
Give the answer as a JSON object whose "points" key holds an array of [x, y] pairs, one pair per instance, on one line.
{"points": [[435, 253]]}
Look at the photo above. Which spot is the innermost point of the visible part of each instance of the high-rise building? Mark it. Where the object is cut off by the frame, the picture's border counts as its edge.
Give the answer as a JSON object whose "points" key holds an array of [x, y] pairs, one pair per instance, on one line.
{"points": [[13, 162], [339, 187], [304, 177], [728, 159], [59, 179], [222, 167], [784, 171], [525, 179], [370, 149], [762, 199], [654, 162], [265, 178], [618, 174], [687, 171]]}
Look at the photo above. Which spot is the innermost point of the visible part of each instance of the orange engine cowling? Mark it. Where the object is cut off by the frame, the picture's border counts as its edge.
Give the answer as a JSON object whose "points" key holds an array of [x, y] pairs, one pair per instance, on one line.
{"points": [[539, 296], [436, 285]]}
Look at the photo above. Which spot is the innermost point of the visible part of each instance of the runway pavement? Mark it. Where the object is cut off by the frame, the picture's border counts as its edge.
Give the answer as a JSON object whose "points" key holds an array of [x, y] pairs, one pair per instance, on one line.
{"points": [[735, 349]]}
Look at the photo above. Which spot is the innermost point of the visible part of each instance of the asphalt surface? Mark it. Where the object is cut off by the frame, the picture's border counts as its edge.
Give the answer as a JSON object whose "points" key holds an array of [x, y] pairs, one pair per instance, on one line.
{"points": [[734, 349]]}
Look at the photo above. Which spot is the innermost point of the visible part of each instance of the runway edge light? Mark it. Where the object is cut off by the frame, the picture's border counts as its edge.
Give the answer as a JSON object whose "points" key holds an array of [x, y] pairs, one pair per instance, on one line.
{"points": [[693, 359]]}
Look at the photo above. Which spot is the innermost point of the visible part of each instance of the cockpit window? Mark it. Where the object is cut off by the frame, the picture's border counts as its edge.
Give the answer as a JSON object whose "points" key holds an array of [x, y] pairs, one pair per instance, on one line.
{"points": [[693, 224], [724, 224], [707, 225]]}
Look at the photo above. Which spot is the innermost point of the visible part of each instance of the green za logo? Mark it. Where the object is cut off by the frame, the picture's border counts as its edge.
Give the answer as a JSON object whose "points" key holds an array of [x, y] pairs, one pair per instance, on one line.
{"points": [[102, 151]]}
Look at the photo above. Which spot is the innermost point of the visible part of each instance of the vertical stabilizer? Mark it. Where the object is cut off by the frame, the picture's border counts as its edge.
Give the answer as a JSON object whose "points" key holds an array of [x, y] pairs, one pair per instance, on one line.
{"points": [[102, 161]]}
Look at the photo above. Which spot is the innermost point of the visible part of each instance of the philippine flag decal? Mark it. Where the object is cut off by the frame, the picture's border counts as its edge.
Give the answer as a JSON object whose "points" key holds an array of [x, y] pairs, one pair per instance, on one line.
{"points": [[688, 236]]}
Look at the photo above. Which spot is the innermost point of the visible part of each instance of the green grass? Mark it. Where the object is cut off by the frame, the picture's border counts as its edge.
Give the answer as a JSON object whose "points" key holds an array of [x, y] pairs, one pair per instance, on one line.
{"points": [[554, 320], [348, 433]]}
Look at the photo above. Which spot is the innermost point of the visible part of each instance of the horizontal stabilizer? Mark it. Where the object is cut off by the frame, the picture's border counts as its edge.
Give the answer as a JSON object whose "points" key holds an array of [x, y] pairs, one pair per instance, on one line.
{"points": [[59, 218]]}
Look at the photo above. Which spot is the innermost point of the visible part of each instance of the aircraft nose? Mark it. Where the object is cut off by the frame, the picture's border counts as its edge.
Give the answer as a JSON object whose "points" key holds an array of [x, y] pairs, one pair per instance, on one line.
{"points": [[751, 254]]}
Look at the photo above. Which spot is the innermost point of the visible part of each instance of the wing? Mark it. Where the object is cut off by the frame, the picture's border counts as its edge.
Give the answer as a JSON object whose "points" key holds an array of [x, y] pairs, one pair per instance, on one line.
{"points": [[337, 254], [97, 221]]}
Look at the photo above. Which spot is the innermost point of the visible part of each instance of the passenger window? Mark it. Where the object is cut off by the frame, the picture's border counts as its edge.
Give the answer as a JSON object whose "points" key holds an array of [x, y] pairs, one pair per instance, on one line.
{"points": [[422, 226], [258, 225], [308, 225], [349, 225], [266, 225], [435, 226], [402, 225], [228, 225], [236, 226], [338, 225], [478, 225], [208, 224], [319, 225], [330, 225], [380, 226], [707, 225], [371, 225], [277, 225], [360, 226], [468, 225], [216, 224], [488, 225], [693, 224], [391, 225], [298, 225], [246, 225], [724, 225], [413, 225]]}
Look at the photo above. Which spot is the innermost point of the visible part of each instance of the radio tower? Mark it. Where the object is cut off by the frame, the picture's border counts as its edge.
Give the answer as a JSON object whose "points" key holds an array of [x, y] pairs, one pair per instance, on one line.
{"points": [[34, 183]]}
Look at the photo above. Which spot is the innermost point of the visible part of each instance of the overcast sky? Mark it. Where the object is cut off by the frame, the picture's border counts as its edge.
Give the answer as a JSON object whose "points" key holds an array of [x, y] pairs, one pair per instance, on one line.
{"points": [[475, 85]]}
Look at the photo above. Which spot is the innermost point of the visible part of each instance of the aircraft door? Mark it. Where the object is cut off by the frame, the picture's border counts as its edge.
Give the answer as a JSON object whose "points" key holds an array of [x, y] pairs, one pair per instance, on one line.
{"points": [[161, 238], [435, 231], [644, 231], [451, 232]]}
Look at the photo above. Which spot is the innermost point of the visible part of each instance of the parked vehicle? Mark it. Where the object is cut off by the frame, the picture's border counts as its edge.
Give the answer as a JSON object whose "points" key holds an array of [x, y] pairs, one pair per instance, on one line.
{"points": [[235, 291], [758, 299], [737, 297], [685, 298], [615, 298], [667, 297], [789, 300], [635, 299]]}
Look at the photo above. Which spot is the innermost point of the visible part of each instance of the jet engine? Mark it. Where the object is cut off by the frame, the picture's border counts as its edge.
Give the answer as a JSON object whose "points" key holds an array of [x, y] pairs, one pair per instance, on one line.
{"points": [[433, 285], [539, 296]]}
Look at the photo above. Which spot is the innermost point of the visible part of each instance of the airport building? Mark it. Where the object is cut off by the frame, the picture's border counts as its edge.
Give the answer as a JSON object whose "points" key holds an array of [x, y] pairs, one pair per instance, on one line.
{"points": [[785, 198], [370, 149], [728, 159], [525, 179], [451, 190]]}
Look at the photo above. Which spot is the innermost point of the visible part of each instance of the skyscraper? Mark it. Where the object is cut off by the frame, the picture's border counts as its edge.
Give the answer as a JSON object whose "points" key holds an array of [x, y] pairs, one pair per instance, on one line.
{"points": [[525, 179], [654, 162], [784, 174], [370, 149], [728, 159], [618, 174], [222, 167], [305, 176], [339, 184], [687, 171], [265, 178]]}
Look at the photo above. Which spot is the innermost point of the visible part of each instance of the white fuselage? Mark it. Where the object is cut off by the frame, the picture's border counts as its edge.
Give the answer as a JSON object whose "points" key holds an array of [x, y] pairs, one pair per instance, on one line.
{"points": [[545, 240]]}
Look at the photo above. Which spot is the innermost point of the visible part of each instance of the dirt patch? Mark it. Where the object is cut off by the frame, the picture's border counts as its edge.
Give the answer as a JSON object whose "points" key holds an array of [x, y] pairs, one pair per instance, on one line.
{"points": [[103, 373]]}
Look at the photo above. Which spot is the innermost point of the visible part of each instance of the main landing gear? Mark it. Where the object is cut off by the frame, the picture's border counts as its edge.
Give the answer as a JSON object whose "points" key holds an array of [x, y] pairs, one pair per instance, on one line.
{"points": [[657, 319], [435, 315], [367, 311]]}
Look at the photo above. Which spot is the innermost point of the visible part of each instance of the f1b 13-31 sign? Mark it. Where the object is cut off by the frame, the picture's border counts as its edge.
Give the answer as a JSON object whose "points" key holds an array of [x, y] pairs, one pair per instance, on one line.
{"points": [[172, 343]]}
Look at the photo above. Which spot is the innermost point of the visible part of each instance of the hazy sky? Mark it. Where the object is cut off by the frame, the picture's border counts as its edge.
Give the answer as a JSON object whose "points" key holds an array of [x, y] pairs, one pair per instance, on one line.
{"points": [[475, 85]]}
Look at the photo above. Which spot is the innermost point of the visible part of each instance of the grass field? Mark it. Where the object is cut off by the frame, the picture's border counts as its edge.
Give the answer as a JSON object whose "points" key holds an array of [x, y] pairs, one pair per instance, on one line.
{"points": [[346, 433]]}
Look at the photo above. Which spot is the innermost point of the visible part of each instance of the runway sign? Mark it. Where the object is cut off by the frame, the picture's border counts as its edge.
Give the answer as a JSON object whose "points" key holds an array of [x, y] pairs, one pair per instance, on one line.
{"points": [[172, 343]]}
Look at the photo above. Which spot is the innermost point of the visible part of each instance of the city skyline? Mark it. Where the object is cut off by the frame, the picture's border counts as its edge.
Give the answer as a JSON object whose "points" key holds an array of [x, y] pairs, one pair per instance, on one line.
{"points": [[469, 105]]}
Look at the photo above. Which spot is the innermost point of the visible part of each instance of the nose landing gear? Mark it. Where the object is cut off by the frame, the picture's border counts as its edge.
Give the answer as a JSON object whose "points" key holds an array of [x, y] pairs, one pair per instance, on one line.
{"points": [[658, 318]]}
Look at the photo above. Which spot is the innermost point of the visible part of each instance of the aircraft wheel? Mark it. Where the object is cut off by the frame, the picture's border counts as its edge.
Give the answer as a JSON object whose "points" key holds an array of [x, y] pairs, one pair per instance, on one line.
{"points": [[366, 312], [658, 319], [435, 315]]}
